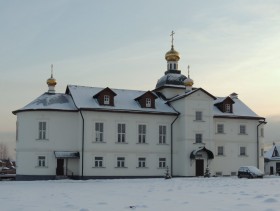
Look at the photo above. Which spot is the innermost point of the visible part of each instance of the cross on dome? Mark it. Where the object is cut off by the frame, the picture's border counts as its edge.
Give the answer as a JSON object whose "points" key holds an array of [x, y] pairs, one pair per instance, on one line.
{"points": [[172, 37]]}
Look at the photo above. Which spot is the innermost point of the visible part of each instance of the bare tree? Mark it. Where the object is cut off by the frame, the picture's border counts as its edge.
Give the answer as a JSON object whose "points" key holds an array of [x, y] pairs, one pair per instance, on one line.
{"points": [[4, 151]]}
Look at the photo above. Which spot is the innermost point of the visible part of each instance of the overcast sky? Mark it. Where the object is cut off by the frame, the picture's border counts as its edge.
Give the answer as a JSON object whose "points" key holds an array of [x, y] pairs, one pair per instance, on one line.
{"points": [[231, 46]]}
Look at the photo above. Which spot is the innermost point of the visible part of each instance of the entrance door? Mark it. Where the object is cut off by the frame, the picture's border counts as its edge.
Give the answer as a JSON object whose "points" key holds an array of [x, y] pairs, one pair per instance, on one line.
{"points": [[60, 167], [199, 168]]}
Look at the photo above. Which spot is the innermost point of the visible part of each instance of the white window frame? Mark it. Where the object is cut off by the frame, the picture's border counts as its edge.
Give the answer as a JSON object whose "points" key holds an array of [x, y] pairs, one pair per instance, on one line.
{"points": [[227, 108], [242, 151], [220, 128], [142, 133], [242, 129], [42, 130], [98, 162], [99, 131], [162, 134], [148, 102], [198, 138], [162, 163], [198, 115], [142, 162], [120, 162], [106, 99], [121, 133], [41, 161], [220, 150]]}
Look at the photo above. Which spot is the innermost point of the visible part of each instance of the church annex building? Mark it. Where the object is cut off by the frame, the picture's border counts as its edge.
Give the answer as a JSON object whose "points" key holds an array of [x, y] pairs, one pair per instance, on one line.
{"points": [[93, 132]]}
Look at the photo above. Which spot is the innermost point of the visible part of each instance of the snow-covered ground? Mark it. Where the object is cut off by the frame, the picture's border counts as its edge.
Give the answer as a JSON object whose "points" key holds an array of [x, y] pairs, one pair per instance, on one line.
{"points": [[143, 194]]}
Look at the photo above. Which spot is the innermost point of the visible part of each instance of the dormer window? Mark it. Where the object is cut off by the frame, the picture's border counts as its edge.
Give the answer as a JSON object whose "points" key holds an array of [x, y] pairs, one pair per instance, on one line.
{"points": [[227, 108], [148, 102], [106, 99], [225, 105]]}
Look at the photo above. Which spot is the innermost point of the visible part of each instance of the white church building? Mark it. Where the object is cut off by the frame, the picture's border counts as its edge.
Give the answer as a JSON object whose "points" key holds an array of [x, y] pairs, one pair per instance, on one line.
{"points": [[92, 132]]}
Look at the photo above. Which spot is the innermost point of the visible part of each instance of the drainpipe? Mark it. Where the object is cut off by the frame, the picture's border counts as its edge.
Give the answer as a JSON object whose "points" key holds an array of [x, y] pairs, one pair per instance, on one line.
{"points": [[258, 144], [83, 142], [171, 161]]}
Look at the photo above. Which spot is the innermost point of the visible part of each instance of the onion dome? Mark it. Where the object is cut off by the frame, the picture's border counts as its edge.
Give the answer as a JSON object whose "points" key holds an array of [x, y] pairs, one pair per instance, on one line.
{"points": [[51, 81], [172, 55], [188, 82]]}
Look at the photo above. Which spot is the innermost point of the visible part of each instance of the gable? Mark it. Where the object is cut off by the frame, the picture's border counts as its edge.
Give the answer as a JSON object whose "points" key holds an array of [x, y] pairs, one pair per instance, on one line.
{"points": [[225, 105], [196, 93], [105, 97], [147, 100], [275, 152]]}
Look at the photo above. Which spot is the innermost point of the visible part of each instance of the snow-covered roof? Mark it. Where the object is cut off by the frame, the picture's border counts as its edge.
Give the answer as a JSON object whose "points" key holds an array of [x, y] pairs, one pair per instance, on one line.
{"points": [[270, 153], [239, 109], [49, 101], [123, 101]]}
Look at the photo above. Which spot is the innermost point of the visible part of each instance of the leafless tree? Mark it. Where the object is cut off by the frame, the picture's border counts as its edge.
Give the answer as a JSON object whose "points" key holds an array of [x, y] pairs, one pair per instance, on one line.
{"points": [[4, 151]]}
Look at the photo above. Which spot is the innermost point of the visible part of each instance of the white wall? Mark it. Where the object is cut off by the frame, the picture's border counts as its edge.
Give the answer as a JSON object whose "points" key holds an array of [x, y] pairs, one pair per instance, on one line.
{"points": [[131, 150], [62, 135]]}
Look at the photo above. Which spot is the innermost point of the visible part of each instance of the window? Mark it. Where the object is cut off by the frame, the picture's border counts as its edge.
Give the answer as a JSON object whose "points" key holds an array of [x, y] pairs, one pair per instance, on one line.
{"points": [[162, 134], [141, 162], [106, 99], [220, 128], [174, 65], [120, 162], [141, 133], [198, 138], [262, 132], [121, 133], [98, 162], [242, 151], [148, 102], [162, 163], [262, 152], [227, 108], [42, 161], [99, 132], [220, 150], [42, 131], [242, 129], [233, 173], [198, 115], [219, 173]]}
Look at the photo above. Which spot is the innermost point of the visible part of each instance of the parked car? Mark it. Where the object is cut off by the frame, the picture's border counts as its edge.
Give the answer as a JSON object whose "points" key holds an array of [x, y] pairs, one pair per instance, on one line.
{"points": [[249, 172]]}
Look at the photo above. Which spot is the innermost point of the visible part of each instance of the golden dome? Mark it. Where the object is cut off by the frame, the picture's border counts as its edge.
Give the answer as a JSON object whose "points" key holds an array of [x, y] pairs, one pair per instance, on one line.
{"points": [[172, 55], [51, 81], [188, 82]]}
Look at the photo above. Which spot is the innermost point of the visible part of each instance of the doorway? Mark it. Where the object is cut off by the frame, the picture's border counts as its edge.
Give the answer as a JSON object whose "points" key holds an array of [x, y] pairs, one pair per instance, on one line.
{"points": [[60, 167], [199, 167]]}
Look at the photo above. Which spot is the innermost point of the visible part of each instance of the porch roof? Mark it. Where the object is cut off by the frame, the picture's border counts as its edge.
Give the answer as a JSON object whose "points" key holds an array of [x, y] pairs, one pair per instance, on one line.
{"points": [[210, 154], [67, 154]]}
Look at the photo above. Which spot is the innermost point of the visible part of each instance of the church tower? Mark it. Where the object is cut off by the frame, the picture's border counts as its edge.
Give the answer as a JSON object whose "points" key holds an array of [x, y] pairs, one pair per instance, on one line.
{"points": [[173, 82]]}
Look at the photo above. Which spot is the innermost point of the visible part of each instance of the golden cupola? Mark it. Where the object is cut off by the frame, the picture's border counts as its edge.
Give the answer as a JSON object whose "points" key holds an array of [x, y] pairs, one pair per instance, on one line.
{"points": [[51, 82], [172, 55]]}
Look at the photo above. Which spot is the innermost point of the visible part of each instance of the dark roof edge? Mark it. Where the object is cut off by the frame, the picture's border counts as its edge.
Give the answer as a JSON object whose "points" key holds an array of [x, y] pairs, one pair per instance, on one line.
{"points": [[239, 117], [25, 110], [128, 111], [172, 87]]}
